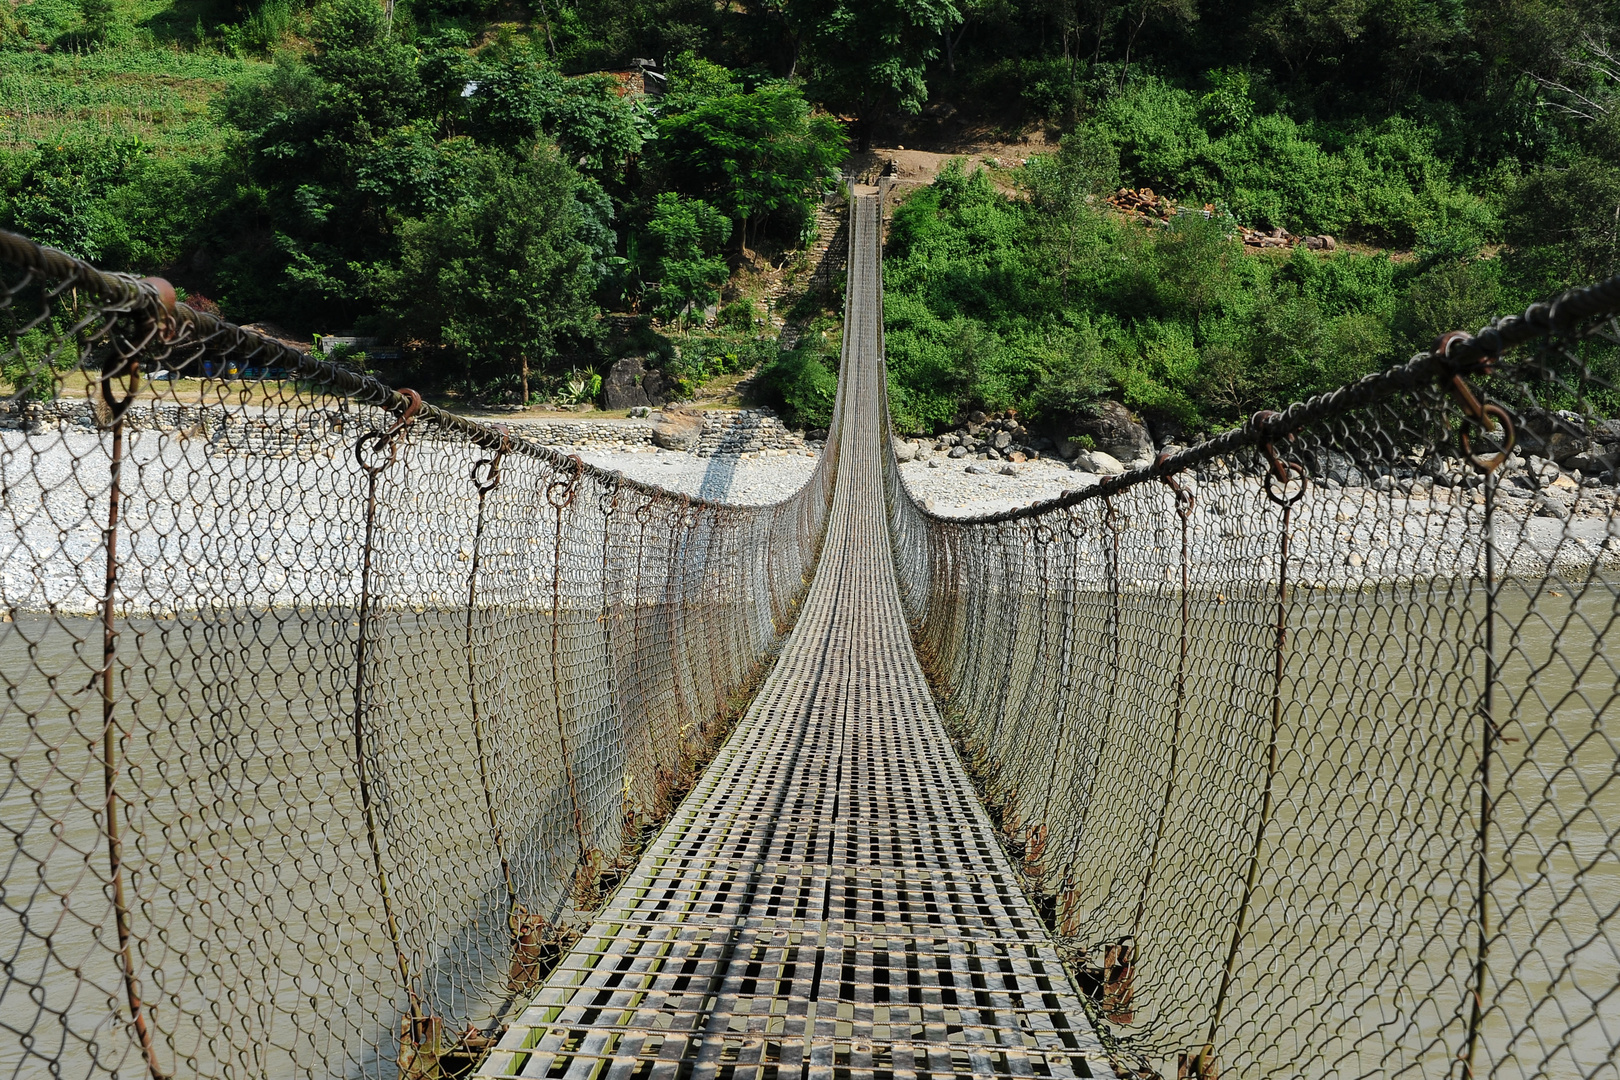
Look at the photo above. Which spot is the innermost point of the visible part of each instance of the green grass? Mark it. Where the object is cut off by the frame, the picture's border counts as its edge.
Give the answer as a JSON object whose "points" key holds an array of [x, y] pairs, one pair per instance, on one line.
{"points": [[159, 94], [153, 79], [160, 22]]}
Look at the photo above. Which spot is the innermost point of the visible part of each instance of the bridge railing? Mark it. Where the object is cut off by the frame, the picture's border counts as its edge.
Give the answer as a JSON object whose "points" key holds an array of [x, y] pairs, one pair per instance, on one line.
{"points": [[1308, 737], [325, 711]]}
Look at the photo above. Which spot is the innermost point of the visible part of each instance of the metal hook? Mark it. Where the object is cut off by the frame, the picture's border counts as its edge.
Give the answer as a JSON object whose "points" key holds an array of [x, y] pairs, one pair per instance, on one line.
{"points": [[1482, 414], [1184, 498], [560, 493], [377, 440], [486, 472]]}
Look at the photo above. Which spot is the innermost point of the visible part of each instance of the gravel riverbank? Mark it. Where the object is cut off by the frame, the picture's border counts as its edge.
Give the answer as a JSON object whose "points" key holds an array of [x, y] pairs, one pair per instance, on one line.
{"points": [[750, 479], [226, 522]]}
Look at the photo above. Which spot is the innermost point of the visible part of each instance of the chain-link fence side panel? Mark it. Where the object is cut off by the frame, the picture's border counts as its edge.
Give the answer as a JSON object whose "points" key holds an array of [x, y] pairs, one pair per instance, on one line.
{"points": [[327, 712], [1302, 739]]}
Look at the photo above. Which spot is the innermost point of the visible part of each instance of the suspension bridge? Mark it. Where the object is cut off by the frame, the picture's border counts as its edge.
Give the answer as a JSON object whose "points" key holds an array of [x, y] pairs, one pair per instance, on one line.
{"points": [[349, 737], [832, 894]]}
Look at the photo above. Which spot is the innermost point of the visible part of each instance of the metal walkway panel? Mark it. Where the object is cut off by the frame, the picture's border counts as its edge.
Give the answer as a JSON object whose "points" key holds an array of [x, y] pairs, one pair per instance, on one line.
{"points": [[830, 900]]}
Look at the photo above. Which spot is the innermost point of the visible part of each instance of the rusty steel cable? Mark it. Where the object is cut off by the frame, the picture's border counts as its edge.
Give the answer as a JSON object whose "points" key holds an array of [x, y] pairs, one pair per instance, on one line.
{"points": [[329, 715]]}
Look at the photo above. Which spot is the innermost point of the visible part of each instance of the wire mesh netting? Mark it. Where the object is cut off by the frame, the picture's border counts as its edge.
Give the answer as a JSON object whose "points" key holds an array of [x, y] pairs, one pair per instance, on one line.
{"points": [[1306, 737], [326, 712]]}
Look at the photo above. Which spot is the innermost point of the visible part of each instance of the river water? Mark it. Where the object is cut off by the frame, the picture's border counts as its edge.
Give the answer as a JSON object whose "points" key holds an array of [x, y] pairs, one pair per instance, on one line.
{"points": [[1362, 924], [261, 933], [263, 948]]}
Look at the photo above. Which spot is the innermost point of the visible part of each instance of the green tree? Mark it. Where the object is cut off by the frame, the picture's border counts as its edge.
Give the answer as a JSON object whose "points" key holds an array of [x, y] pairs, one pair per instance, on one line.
{"points": [[341, 148], [57, 194], [1140, 12], [754, 156], [519, 97], [686, 236], [502, 277], [1301, 31], [871, 56], [1064, 188], [100, 19], [1564, 219]]}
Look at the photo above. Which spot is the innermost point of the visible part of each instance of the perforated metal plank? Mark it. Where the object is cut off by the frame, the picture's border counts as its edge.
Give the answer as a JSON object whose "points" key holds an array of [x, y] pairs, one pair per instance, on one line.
{"points": [[830, 900]]}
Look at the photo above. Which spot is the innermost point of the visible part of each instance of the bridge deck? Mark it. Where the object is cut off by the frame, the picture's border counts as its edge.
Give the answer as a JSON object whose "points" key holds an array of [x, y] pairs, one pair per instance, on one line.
{"points": [[830, 899]]}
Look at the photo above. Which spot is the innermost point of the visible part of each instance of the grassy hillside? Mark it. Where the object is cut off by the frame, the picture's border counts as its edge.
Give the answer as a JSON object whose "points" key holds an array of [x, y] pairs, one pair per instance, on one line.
{"points": [[161, 96]]}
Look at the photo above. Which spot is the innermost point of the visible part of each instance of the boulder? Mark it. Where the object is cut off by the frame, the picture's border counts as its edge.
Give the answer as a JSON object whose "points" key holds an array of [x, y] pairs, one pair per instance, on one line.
{"points": [[1096, 461], [1562, 445], [1548, 434], [623, 389], [1592, 462], [1114, 431], [1165, 429], [656, 387], [904, 450], [1002, 440], [1106, 464], [1550, 505], [677, 429]]}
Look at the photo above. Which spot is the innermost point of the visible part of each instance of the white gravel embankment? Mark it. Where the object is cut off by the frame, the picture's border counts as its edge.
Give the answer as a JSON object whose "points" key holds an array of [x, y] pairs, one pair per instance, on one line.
{"points": [[750, 479], [205, 522], [202, 525], [945, 487], [1346, 535]]}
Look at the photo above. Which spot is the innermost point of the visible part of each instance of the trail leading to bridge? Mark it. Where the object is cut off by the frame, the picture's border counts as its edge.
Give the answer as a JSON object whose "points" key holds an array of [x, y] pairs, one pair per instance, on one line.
{"points": [[831, 897]]}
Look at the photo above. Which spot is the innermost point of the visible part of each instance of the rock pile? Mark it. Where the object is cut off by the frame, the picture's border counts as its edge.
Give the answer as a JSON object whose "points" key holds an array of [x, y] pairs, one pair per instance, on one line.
{"points": [[679, 428], [1107, 443], [228, 431], [982, 436], [35, 417], [745, 431], [1143, 203], [585, 434]]}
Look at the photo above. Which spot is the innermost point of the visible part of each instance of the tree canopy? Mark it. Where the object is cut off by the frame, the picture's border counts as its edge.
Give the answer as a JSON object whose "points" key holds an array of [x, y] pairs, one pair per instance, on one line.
{"points": [[754, 155], [1464, 155]]}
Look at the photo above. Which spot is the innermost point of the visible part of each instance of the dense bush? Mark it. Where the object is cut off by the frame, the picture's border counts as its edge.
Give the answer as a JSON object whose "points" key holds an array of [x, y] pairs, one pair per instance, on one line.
{"points": [[1382, 182], [802, 383], [1045, 304]]}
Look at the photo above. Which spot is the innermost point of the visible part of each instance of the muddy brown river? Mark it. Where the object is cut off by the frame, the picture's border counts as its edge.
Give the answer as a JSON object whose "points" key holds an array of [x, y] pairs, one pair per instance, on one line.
{"points": [[261, 941]]}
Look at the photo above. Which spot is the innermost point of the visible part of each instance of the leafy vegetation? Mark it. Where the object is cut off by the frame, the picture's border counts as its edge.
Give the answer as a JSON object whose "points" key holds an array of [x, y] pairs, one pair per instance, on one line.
{"points": [[481, 181], [1044, 304]]}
